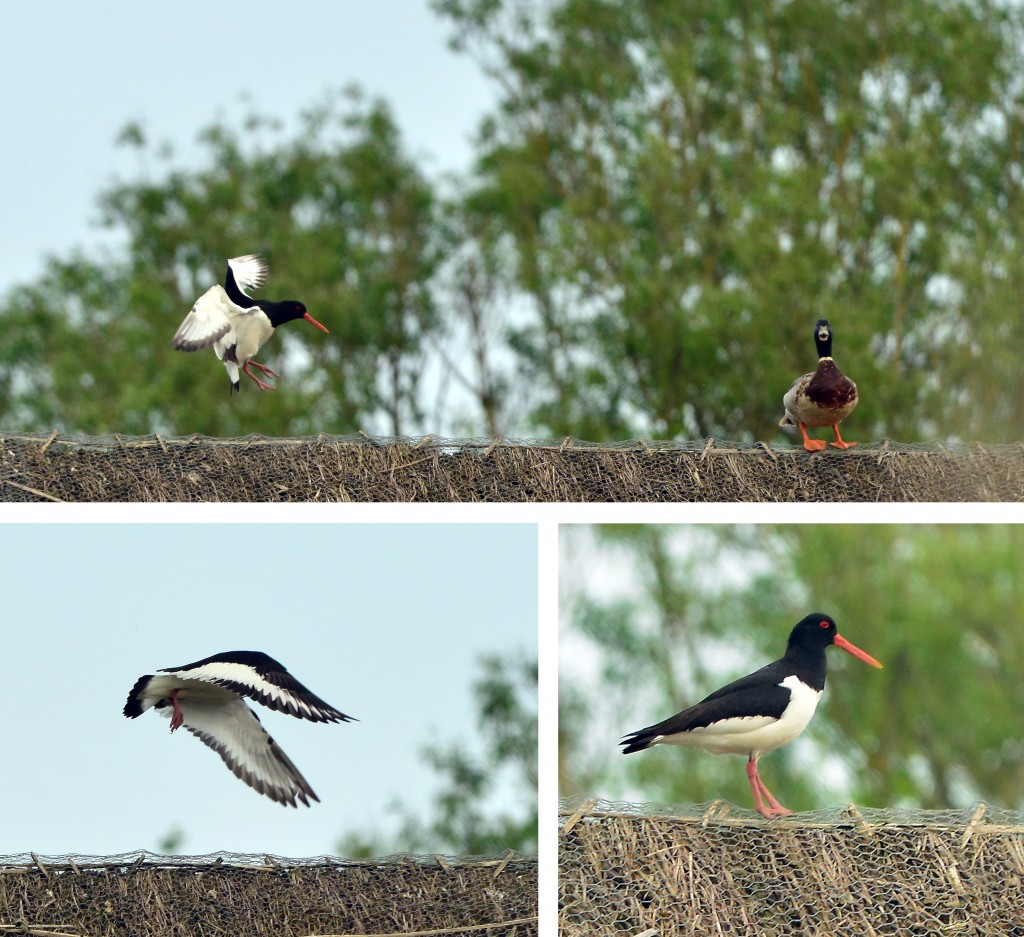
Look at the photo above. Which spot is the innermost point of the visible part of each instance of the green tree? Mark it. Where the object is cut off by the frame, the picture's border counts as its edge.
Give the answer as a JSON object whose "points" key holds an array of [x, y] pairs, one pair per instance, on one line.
{"points": [[464, 821], [688, 186], [667, 197], [348, 223], [704, 605]]}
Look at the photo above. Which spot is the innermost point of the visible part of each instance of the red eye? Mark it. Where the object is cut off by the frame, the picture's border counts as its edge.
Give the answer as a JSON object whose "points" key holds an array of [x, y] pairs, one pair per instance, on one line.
{"points": [[823, 624]]}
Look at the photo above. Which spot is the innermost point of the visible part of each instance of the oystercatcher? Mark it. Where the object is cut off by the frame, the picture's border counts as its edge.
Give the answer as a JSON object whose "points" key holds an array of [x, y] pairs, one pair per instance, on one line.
{"points": [[206, 698], [760, 712], [235, 324], [824, 397]]}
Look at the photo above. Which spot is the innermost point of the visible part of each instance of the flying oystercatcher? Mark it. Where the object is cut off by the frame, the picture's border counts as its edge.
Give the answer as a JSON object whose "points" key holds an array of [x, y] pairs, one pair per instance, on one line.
{"points": [[824, 397], [206, 698], [235, 324], [760, 712]]}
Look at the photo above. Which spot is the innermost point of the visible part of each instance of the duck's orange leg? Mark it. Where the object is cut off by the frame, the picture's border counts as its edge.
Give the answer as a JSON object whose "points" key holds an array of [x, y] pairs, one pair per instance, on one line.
{"points": [[839, 444], [812, 445]]}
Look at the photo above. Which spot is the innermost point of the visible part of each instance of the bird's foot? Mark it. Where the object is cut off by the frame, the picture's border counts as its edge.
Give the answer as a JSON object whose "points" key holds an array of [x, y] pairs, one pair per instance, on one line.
{"points": [[178, 718], [761, 794], [263, 368], [839, 444], [262, 385], [811, 445]]}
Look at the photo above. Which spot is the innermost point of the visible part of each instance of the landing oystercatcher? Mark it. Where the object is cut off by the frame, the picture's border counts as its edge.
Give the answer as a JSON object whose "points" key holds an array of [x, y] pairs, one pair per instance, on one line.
{"points": [[235, 324], [824, 397], [760, 712], [206, 698]]}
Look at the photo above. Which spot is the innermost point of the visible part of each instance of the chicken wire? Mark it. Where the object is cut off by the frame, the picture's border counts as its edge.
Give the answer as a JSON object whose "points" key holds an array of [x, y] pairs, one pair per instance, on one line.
{"points": [[146, 895], [56, 467], [719, 869]]}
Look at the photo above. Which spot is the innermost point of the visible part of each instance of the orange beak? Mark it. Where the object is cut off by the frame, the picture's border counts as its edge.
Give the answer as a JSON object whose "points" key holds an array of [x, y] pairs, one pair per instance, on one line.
{"points": [[840, 641], [310, 319]]}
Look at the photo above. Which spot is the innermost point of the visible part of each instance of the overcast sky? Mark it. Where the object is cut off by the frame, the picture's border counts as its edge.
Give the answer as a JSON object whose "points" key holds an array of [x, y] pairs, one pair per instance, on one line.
{"points": [[73, 75], [384, 621]]}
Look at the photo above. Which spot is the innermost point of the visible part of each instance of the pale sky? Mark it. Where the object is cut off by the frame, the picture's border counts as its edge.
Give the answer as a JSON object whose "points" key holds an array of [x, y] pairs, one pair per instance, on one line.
{"points": [[384, 621], [72, 75]]}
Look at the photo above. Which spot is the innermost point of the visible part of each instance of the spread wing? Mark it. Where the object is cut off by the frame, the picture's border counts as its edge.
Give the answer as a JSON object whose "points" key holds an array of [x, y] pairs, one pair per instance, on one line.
{"points": [[250, 271], [234, 732], [261, 678], [208, 322]]}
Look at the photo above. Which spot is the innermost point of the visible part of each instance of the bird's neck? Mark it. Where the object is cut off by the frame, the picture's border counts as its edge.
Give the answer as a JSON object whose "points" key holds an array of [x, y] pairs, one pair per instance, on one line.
{"points": [[234, 293], [810, 664]]}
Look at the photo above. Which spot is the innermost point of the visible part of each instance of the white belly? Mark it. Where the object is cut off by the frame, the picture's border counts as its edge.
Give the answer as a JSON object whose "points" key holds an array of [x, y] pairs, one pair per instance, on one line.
{"points": [[754, 734], [249, 330]]}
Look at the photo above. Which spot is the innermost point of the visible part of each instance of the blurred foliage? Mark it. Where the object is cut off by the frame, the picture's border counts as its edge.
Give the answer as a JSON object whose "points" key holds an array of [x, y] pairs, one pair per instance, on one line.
{"points": [[171, 842], [699, 606], [464, 820], [688, 186], [349, 227], [665, 199]]}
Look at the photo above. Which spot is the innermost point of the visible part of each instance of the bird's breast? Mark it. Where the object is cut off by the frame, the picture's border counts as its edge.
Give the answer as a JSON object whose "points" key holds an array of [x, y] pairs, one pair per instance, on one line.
{"points": [[251, 329]]}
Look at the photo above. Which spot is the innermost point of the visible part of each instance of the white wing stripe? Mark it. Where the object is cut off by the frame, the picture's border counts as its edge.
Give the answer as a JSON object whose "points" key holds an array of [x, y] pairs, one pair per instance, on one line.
{"points": [[289, 701]]}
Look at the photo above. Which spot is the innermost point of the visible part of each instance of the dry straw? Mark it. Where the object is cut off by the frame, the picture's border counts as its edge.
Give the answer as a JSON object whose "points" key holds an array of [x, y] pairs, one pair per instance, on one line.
{"points": [[53, 467], [718, 869], [150, 896]]}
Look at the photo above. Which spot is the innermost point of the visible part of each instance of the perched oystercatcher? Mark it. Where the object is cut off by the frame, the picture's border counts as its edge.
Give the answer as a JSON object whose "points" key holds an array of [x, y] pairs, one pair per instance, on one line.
{"points": [[206, 698], [235, 324], [760, 712], [824, 397]]}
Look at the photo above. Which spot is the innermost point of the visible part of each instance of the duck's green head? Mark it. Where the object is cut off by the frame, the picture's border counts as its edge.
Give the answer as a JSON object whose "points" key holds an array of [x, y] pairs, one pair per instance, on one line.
{"points": [[823, 338]]}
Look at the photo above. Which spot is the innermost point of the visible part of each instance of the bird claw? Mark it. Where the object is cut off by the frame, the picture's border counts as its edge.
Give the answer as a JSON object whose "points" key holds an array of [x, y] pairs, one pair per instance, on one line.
{"points": [[262, 385], [842, 445], [263, 368], [814, 445]]}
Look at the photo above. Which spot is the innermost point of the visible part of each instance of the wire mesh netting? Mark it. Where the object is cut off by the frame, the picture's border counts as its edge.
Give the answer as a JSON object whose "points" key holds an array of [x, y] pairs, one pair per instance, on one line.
{"points": [[145, 895], [718, 869], [55, 467]]}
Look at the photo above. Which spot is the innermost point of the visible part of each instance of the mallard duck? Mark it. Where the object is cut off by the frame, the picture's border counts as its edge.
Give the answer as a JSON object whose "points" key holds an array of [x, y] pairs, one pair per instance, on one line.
{"points": [[825, 397]]}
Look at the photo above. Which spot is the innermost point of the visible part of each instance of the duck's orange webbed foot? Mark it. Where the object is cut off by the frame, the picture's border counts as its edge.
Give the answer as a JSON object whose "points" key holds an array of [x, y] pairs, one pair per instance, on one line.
{"points": [[839, 444], [811, 445]]}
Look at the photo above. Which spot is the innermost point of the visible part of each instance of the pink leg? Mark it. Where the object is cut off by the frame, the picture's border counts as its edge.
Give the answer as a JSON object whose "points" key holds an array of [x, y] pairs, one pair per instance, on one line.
{"points": [[178, 718], [264, 368], [262, 385], [752, 778], [757, 786], [777, 808]]}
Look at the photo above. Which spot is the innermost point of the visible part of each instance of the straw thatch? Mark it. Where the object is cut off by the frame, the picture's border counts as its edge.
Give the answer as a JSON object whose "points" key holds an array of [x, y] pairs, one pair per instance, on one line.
{"points": [[150, 896], [717, 869], [51, 467]]}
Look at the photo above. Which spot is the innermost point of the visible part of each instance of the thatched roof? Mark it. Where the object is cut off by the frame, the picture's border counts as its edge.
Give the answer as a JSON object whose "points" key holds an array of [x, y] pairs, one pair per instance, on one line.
{"points": [[717, 869], [51, 467], [143, 895]]}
